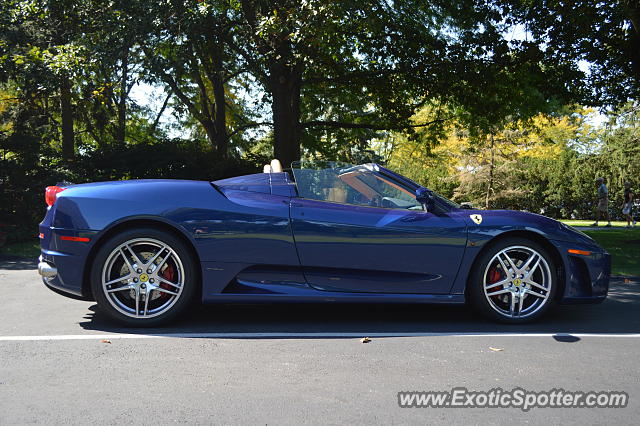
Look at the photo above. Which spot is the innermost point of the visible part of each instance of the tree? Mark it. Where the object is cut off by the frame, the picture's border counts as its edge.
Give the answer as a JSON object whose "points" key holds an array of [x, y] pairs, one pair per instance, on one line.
{"points": [[109, 32], [352, 67], [77, 53], [603, 35], [528, 164], [187, 49], [41, 59]]}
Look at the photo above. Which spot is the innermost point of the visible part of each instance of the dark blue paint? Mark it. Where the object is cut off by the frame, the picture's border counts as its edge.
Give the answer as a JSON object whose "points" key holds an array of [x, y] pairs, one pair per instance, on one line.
{"points": [[257, 241], [562, 237], [350, 248]]}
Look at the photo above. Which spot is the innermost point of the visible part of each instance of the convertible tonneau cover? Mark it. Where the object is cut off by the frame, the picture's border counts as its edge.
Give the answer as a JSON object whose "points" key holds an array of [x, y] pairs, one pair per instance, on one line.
{"points": [[266, 183]]}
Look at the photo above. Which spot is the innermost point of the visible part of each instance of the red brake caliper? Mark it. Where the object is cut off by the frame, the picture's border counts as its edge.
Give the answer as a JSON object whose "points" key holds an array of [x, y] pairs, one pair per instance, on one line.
{"points": [[494, 277], [169, 273]]}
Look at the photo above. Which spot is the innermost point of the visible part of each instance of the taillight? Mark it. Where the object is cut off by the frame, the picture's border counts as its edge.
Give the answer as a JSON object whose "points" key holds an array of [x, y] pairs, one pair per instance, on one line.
{"points": [[51, 193]]}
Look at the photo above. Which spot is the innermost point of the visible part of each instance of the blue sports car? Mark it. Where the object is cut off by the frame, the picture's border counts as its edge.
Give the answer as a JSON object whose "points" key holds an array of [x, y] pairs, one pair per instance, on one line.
{"points": [[145, 250]]}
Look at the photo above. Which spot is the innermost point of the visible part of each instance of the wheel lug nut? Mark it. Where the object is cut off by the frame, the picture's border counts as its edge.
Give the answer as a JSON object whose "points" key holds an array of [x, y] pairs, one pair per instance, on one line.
{"points": [[149, 271], [135, 280], [152, 280], [139, 271], [143, 286]]}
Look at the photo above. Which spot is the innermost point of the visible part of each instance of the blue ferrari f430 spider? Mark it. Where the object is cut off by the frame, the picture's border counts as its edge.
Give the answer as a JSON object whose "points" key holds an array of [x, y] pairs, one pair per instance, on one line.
{"points": [[146, 249]]}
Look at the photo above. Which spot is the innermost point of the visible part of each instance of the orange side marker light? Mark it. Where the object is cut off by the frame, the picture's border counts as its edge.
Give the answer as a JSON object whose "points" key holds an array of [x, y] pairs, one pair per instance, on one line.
{"points": [[582, 252]]}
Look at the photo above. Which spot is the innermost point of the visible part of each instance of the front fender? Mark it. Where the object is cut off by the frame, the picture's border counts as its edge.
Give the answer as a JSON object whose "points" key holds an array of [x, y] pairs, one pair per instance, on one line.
{"points": [[585, 278]]}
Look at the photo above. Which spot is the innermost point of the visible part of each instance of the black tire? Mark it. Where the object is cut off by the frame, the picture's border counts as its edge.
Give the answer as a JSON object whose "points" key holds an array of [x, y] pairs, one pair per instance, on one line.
{"points": [[495, 306], [121, 305]]}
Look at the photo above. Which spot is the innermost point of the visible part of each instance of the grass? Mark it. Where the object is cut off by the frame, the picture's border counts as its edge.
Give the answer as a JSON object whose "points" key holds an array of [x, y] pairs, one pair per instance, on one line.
{"points": [[30, 249], [623, 244]]}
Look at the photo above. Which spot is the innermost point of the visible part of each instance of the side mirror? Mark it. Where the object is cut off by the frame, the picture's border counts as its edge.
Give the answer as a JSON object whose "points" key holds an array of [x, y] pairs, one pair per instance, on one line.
{"points": [[425, 197], [466, 205]]}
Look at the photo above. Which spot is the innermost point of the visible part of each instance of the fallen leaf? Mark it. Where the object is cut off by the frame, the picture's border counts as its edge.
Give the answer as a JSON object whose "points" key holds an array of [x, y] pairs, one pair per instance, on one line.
{"points": [[105, 341], [496, 349], [365, 340]]}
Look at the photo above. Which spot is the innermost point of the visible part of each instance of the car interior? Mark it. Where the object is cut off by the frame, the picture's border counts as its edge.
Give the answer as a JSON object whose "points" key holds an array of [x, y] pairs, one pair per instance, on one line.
{"points": [[355, 185]]}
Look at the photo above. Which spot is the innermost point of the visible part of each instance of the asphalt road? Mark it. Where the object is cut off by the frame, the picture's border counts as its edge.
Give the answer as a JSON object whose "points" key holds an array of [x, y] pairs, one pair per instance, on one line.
{"points": [[303, 364]]}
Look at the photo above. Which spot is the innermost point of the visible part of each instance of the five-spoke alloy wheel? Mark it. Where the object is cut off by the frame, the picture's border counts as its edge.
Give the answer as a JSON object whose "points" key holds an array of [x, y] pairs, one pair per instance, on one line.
{"points": [[143, 277], [513, 281]]}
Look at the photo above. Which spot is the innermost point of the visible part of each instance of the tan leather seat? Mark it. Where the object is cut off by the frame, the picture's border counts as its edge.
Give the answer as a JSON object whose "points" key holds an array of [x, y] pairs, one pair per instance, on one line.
{"points": [[337, 195], [274, 167]]}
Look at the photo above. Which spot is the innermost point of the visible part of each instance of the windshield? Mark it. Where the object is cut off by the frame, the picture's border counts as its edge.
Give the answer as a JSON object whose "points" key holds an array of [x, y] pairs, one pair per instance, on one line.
{"points": [[441, 200], [364, 185]]}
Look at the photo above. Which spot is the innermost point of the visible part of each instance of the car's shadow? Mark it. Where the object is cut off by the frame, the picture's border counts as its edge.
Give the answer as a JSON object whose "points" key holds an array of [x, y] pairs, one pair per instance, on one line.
{"points": [[618, 314]]}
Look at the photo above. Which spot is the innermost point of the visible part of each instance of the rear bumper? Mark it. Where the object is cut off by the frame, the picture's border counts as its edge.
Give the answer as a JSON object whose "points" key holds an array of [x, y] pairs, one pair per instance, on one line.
{"points": [[65, 273], [49, 273], [62, 263], [46, 270]]}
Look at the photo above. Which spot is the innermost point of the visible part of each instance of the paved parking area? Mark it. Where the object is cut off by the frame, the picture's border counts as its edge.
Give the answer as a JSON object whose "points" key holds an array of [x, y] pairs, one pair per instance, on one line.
{"points": [[302, 364]]}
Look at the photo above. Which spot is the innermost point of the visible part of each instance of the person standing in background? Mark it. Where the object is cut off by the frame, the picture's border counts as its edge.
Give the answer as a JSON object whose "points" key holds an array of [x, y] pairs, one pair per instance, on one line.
{"points": [[603, 202], [627, 205]]}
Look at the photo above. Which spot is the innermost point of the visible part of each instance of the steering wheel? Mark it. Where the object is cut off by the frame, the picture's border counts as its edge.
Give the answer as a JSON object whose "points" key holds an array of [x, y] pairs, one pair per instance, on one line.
{"points": [[376, 201]]}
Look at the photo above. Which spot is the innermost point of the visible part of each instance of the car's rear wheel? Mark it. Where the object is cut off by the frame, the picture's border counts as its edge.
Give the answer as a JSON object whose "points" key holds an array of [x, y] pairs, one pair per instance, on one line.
{"points": [[144, 277], [513, 281]]}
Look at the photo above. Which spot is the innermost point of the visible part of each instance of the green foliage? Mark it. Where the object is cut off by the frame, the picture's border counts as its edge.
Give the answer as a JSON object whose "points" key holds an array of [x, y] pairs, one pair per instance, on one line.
{"points": [[603, 35], [624, 247], [162, 159], [545, 165], [371, 80], [24, 179], [28, 249]]}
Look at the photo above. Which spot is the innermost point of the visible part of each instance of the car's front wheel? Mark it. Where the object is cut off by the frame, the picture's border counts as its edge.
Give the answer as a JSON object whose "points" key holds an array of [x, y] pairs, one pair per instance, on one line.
{"points": [[143, 277], [513, 281]]}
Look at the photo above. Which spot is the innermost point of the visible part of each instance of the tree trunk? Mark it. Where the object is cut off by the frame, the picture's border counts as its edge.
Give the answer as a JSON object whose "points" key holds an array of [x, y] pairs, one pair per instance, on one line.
{"points": [[162, 109], [121, 126], [66, 111], [490, 182], [66, 114], [634, 37], [210, 129], [284, 82], [219, 116], [212, 114]]}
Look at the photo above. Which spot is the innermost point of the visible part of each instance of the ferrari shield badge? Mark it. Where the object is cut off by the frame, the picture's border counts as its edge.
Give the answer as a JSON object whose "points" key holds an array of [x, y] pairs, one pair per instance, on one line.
{"points": [[477, 218]]}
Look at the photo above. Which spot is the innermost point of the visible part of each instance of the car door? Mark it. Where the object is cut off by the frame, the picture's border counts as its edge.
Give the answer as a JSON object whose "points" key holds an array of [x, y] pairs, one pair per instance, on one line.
{"points": [[362, 248]]}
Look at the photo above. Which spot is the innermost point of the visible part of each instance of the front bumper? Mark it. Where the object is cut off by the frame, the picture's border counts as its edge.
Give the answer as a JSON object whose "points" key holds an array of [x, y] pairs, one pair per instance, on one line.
{"points": [[586, 277]]}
